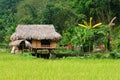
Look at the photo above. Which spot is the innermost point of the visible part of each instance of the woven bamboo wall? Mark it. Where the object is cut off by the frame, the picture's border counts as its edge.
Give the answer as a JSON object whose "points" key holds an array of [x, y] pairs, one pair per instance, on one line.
{"points": [[53, 45], [36, 44]]}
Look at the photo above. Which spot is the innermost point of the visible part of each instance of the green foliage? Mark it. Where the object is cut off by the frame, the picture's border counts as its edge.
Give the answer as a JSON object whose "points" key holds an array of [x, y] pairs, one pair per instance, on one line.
{"points": [[65, 52], [86, 38], [31, 11], [102, 10], [115, 38], [7, 18], [115, 54], [115, 44]]}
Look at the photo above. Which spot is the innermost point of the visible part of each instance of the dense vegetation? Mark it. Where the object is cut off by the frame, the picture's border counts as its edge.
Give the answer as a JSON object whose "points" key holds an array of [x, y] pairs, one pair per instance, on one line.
{"points": [[65, 15]]}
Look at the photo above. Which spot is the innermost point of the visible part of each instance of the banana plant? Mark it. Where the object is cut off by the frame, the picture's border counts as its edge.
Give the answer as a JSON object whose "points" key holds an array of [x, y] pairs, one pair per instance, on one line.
{"points": [[89, 32]]}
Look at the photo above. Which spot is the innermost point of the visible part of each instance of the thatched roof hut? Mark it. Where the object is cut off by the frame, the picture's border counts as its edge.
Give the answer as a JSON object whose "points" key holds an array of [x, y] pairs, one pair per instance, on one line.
{"points": [[38, 32]]}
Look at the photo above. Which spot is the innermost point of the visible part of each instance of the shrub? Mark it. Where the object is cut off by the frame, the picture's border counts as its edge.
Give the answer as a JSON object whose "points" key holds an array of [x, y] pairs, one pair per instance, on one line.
{"points": [[115, 54]]}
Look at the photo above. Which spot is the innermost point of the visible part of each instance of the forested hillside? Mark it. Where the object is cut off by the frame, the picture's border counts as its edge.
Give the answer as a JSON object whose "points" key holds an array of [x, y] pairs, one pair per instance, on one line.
{"points": [[64, 14]]}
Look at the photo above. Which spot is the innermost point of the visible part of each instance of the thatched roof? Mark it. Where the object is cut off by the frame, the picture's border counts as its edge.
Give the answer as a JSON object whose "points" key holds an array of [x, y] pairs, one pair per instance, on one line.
{"points": [[17, 43], [38, 32]]}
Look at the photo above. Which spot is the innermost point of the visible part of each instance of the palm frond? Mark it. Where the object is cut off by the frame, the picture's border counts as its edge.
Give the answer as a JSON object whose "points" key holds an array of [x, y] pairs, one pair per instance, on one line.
{"points": [[82, 25], [85, 23], [97, 25], [90, 21]]}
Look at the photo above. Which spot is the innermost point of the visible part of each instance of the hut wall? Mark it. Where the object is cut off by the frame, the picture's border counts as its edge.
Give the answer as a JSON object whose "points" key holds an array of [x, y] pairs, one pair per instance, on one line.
{"points": [[36, 44], [45, 43], [53, 45]]}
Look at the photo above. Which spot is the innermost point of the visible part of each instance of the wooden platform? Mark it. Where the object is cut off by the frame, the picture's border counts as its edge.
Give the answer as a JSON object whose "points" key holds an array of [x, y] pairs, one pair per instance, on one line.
{"points": [[44, 48]]}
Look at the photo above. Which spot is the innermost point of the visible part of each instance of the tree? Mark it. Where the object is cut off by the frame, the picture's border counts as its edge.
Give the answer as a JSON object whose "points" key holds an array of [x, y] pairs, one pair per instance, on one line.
{"points": [[31, 11], [7, 17], [58, 15], [101, 10]]}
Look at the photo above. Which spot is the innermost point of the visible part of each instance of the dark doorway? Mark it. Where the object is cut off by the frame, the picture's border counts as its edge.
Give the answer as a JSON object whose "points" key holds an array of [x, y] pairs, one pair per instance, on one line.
{"points": [[22, 45], [45, 43]]}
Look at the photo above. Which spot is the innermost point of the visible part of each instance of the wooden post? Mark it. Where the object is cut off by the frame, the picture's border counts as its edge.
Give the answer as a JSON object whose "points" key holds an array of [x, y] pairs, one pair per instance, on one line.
{"points": [[110, 24], [35, 51], [13, 49], [52, 55]]}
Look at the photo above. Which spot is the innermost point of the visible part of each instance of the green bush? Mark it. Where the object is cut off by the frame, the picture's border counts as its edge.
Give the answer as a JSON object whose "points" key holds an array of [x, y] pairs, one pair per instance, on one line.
{"points": [[64, 51], [115, 54], [98, 55]]}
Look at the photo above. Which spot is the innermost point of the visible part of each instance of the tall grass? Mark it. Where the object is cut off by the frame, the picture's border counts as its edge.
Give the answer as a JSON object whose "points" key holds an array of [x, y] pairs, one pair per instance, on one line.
{"points": [[19, 67]]}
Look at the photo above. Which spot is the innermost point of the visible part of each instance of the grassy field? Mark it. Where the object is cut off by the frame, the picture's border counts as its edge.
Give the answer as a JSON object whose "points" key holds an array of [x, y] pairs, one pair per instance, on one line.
{"points": [[19, 67]]}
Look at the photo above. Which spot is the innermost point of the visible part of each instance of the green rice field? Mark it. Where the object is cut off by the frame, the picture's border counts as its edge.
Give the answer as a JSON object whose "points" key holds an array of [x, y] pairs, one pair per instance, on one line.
{"points": [[22, 67]]}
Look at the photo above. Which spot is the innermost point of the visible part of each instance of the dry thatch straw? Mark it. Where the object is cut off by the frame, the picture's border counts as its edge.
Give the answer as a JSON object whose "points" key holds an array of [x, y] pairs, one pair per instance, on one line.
{"points": [[18, 42], [38, 32]]}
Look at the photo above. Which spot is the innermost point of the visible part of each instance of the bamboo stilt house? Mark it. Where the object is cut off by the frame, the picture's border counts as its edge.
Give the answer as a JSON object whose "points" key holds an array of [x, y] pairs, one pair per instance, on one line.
{"points": [[39, 36]]}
